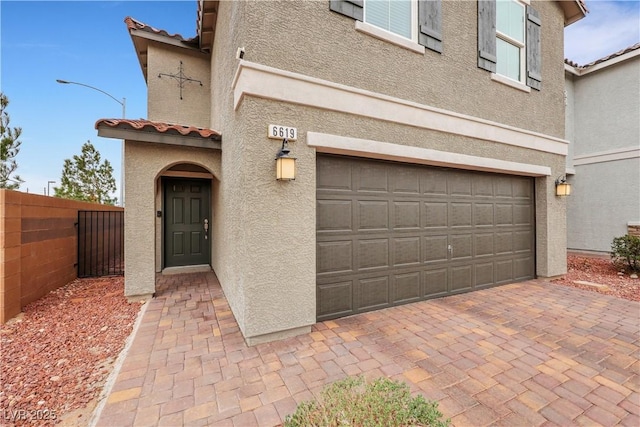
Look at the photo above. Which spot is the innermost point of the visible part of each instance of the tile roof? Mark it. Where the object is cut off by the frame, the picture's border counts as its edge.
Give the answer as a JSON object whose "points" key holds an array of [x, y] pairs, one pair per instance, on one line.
{"points": [[606, 58], [159, 127], [134, 24]]}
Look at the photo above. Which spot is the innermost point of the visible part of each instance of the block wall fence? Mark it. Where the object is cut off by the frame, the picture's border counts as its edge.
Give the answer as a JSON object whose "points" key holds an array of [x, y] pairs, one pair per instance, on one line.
{"points": [[38, 246]]}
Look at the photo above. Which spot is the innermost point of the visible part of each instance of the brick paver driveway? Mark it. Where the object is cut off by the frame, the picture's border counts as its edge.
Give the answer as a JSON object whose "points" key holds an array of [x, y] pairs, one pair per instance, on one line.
{"points": [[526, 354]]}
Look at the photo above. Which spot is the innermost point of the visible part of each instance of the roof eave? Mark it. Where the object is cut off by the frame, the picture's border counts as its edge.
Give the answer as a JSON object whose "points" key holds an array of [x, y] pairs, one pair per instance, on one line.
{"points": [[573, 11], [141, 41], [206, 23]]}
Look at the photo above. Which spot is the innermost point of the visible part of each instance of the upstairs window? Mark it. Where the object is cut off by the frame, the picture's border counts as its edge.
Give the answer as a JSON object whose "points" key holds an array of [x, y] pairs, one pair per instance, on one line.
{"points": [[395, 16], [415, 20], [510, 39]]}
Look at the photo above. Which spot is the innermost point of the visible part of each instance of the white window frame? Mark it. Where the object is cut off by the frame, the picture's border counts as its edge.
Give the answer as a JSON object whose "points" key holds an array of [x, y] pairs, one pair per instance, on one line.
{"points": [[518, 44], [414, 21]]}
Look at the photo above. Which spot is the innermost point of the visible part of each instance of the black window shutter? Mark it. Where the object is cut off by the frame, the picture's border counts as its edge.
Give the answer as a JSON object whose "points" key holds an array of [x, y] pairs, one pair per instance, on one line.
{"points": [[351, 8], [534, 54], [430, 24], [487, 35]]}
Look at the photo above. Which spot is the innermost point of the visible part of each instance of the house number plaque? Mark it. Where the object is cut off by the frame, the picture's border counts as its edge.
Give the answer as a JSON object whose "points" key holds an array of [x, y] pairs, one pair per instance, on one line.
{"points": [[281, 132]]}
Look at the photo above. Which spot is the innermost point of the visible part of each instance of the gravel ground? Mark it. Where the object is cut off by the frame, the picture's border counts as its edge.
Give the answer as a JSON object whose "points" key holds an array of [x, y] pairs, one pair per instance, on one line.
{"points": [[602, 272], [57, 354]]}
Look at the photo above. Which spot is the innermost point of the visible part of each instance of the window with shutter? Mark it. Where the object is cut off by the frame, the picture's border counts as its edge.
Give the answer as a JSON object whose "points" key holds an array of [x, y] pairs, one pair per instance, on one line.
{"points": [[416, 20], [509, 41]]}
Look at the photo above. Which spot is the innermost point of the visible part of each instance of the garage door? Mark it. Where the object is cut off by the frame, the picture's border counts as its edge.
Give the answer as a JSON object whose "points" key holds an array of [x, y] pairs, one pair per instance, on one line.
{"points": [[392, 233]]}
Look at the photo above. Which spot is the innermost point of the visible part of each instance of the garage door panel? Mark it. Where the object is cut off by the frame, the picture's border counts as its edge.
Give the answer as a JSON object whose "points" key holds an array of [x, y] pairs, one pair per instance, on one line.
{"points": [[482, 186], [504, 271], [435, 214], [460, 215], [433, 181], [504, 214], [436, 282], [406, 251], [334, 174], [335, 299], [483, 273], [522, 241], [522, 188], [435, 248], [373, 215], [406, 287], [483, 245], [503, 187], [406, 215], [373, 253], [406, 181], [483, 214], [461, 246], [522, 214], [522, 268], [459, 184], [334, 215], [391, 233], [373, 293], [461, 278], [504, 242], [372, 178], [334, 257]]}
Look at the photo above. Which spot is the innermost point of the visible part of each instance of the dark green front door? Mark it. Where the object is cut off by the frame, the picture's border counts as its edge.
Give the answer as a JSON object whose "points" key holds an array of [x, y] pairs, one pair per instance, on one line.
{"points": [[187, 223]]}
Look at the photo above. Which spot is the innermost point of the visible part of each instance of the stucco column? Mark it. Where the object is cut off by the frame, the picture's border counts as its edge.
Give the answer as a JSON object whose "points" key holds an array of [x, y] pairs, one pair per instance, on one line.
{"points": [[551, 229], [139, 224]]}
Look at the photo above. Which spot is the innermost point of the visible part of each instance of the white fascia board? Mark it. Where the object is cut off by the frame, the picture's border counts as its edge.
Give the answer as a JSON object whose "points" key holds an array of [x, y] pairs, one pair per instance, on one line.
{"points": [[601, 65], [336, 144], [271, 83]]}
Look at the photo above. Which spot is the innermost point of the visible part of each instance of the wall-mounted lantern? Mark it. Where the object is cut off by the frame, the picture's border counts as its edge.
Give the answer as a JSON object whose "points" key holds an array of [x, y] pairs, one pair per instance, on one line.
{"points": [[285, 164], [563, 188]]}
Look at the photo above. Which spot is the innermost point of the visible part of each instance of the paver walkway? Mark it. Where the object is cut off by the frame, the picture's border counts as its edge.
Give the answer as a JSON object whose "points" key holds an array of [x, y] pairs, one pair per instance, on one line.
{"points": [[525, 354]]}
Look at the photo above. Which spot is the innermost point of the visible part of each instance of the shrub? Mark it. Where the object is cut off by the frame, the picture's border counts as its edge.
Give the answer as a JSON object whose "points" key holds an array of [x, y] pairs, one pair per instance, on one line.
{"points": [[354, 402], [625, 252]]}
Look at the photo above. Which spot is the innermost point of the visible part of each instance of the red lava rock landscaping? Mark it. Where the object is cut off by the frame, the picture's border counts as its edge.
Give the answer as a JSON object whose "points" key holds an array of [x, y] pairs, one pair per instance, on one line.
{"points": [[599, 271], [57, 355]]}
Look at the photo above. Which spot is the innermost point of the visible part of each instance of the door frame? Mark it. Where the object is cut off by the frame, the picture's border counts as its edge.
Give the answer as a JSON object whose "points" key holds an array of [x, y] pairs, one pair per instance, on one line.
{"points": [[163, 223]]}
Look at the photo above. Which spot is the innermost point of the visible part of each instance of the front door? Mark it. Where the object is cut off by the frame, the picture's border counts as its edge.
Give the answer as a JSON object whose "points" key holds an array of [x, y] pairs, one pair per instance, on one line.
{"points": [[187, 223]]}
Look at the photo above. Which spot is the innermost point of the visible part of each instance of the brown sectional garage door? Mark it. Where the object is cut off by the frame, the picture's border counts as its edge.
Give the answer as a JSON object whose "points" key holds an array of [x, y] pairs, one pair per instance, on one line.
{"points": [[391, 233]]}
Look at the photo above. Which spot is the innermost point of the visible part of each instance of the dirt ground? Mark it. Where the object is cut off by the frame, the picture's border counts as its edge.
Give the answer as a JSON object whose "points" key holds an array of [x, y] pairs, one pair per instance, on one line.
{"points": [[599, 271], [57, 355]]}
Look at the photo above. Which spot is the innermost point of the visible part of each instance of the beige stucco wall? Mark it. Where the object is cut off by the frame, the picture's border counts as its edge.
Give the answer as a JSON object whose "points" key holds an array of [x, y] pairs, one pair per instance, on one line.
{"points": [[265, 229], [144, 164], [163, 97], [312, 40]]}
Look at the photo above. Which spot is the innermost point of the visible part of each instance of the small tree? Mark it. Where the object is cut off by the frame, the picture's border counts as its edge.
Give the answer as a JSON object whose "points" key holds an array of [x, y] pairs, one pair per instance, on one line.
{"points": [[9, 148], [86, 178], [625, 252]]}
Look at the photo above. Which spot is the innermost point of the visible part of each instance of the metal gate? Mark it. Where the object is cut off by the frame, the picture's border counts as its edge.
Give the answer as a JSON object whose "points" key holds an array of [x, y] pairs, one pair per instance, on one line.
{"points": [[100, 243]]}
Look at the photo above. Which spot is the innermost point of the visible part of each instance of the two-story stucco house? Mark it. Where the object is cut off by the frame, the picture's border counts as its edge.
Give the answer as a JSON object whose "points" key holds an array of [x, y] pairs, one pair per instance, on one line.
{"points": [[428, 136], [603, 126]]}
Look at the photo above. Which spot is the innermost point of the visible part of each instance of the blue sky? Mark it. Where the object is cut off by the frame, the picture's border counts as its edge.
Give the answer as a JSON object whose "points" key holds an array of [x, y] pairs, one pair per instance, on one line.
{"points": [[87, 42]]}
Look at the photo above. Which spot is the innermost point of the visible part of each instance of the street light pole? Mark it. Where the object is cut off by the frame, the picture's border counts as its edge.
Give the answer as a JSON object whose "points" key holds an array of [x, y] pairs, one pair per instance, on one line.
{"points": [[123, 103], [48, 183]]}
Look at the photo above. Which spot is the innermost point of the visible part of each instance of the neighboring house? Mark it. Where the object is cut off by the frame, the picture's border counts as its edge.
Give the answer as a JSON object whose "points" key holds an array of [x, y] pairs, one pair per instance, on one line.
{"points": [[428, 144], [603, 126]]}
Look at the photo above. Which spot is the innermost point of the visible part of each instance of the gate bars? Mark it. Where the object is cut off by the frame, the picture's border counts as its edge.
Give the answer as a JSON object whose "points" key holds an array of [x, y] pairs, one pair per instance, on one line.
{"points": [[100, 243]]}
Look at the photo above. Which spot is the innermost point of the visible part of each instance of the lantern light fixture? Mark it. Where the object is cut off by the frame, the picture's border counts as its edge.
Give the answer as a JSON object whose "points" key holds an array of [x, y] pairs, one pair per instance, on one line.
{"points": [[563, 188], [285, 163]]}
